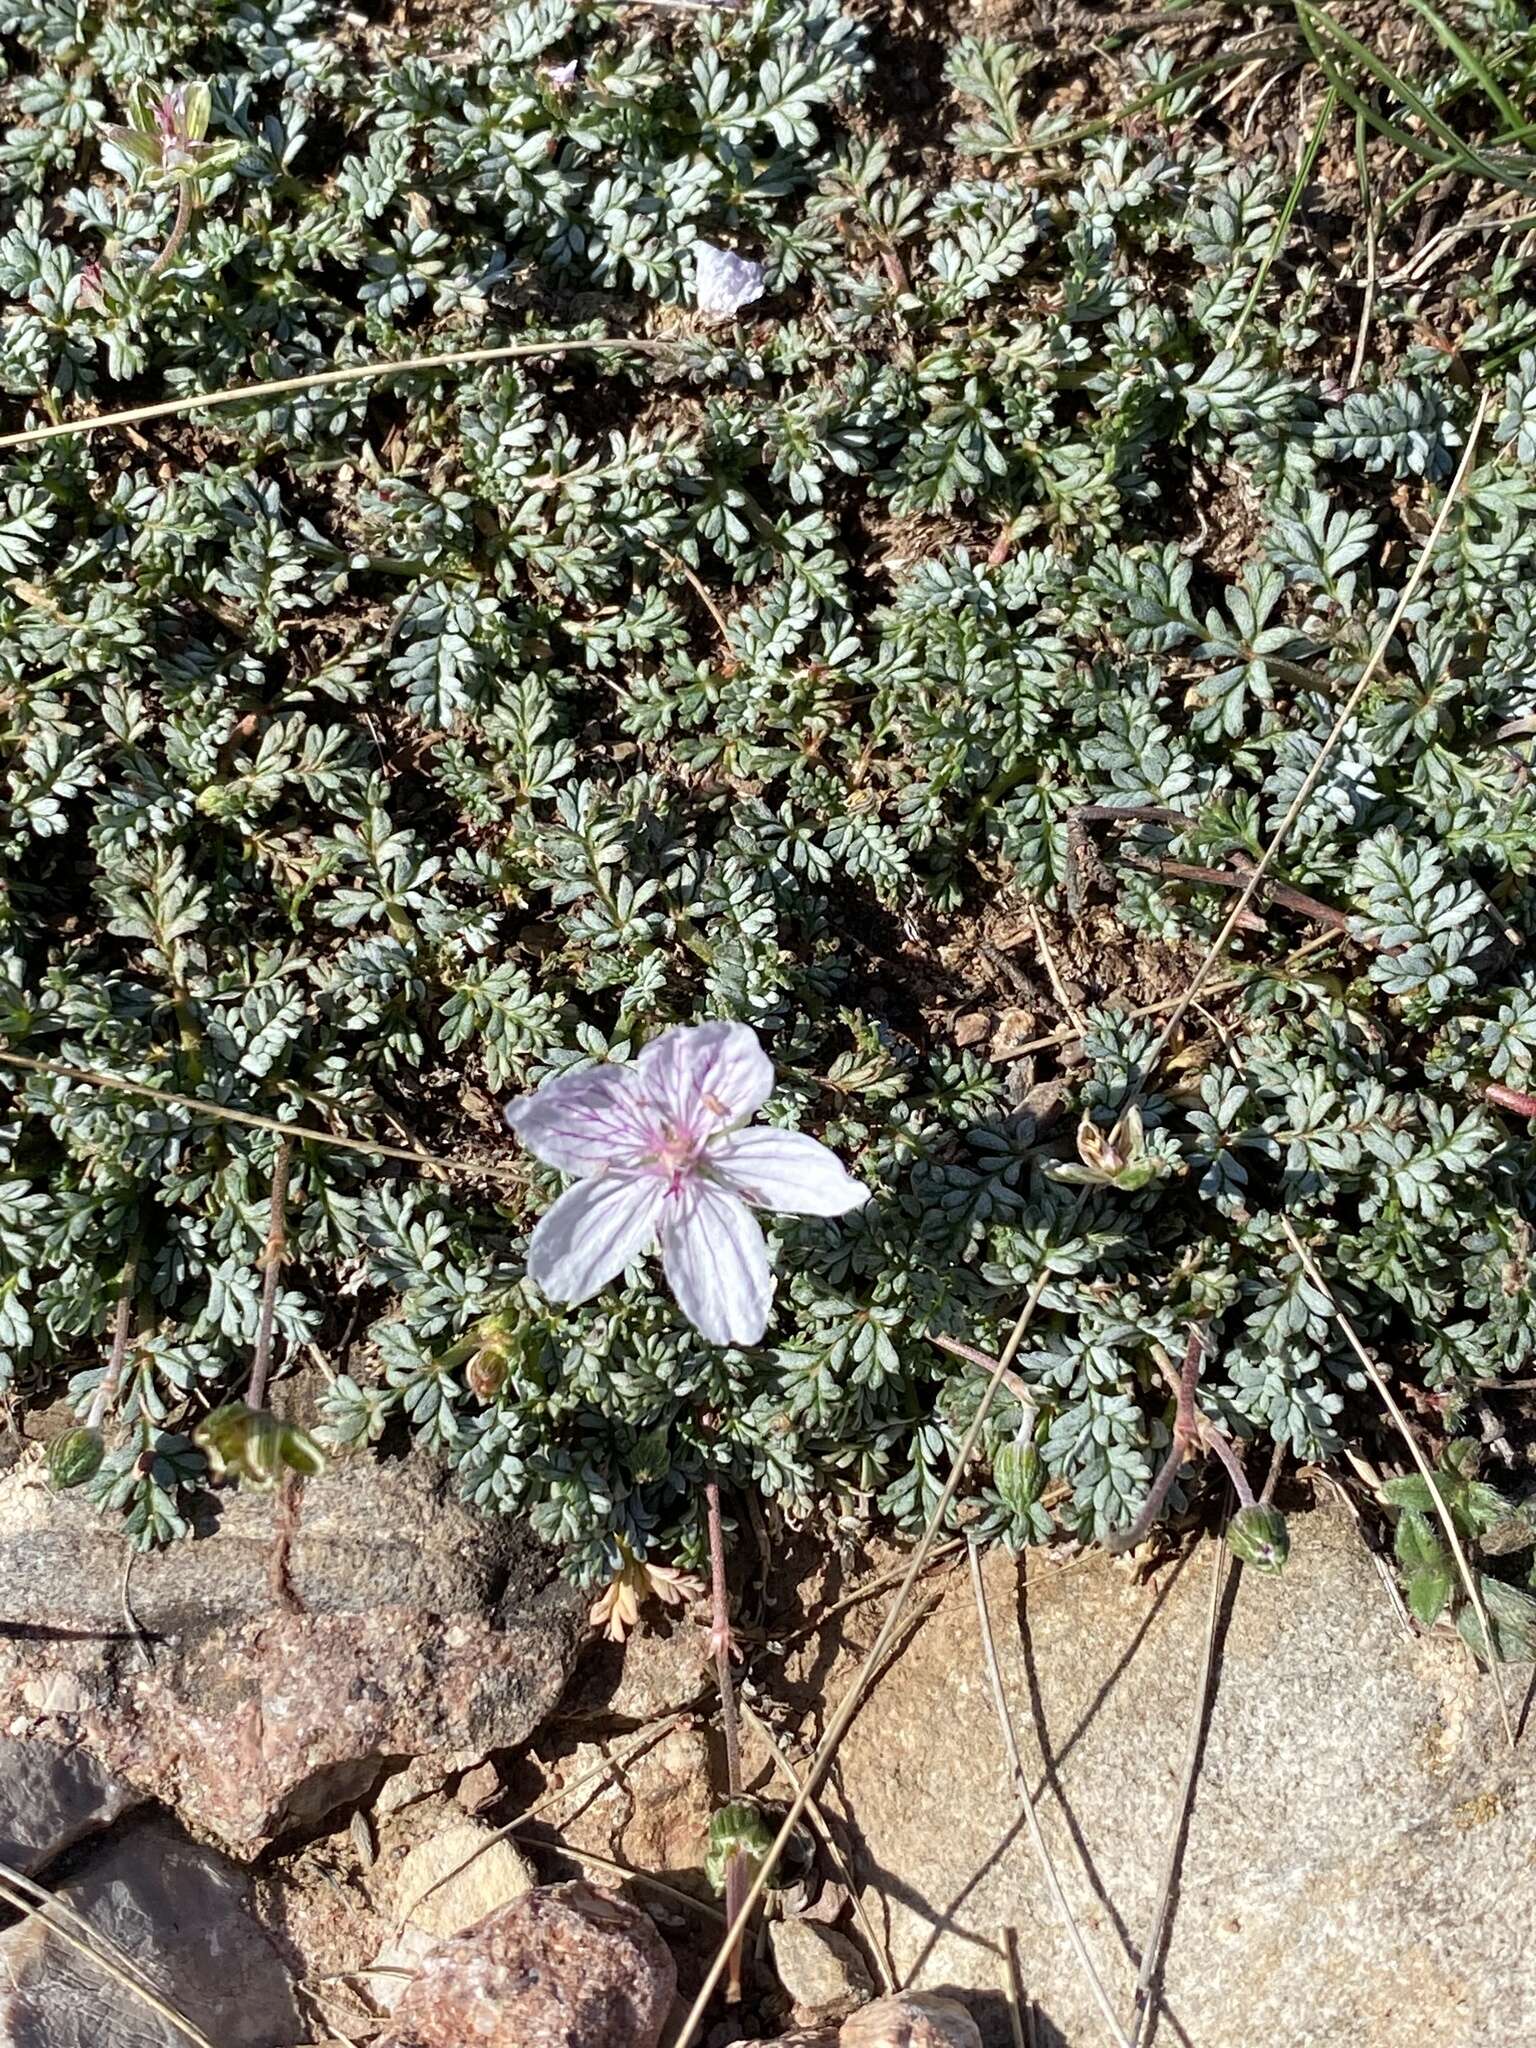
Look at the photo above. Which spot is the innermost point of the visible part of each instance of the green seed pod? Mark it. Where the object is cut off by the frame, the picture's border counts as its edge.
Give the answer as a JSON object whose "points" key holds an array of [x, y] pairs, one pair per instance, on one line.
{"points": [[1258, 1536], [737, 1829], [251, 1444], [1019, 1476], [220, 1436], [299, 1451], [75, 1457]]}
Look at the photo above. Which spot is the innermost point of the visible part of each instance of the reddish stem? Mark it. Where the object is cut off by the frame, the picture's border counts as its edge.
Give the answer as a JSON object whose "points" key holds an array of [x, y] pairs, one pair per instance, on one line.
{"points": [[1512, 1099], [720, 1642]]}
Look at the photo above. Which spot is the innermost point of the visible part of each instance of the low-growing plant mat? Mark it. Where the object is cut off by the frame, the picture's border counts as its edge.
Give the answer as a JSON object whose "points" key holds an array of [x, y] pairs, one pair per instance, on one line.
{"points": [[915, 664]]}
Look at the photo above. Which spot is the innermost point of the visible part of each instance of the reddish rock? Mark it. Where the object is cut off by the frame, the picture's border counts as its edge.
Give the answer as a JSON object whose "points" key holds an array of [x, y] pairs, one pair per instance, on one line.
{"points": [[427, 1632], [563, 1967], [911, 2019], [270, 1725]]}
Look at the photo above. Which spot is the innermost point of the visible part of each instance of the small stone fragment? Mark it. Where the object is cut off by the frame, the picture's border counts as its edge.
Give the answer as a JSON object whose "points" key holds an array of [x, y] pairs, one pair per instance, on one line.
{"points": [[478, 1788], [562, 1967], [820, 1969], [51, 1797], [455, 1878], [911, 2019], [397, 1966]]}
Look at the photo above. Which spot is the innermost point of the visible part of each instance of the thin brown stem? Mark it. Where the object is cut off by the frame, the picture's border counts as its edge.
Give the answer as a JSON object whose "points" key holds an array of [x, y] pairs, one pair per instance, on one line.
{"points": [[122, 1330], [271, 1264], [280, 1559], [720, 1642], [1274, 892]]}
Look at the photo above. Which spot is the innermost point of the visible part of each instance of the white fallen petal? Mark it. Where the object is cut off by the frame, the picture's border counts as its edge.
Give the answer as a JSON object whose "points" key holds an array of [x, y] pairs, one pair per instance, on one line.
{"points": [[583, 1122], [706, 1076], [716, 1263], [723, 281], [593, 1232], [786, 1170]]}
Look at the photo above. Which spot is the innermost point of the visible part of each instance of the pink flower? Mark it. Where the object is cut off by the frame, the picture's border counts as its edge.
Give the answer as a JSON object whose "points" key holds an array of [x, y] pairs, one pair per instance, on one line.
{"points": [[660, 1156]]}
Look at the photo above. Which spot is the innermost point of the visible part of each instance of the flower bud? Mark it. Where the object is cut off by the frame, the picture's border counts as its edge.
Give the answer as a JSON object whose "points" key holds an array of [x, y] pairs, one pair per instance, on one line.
{"points": [[1018, 1476], [75, 1457], [1258, 1536]]}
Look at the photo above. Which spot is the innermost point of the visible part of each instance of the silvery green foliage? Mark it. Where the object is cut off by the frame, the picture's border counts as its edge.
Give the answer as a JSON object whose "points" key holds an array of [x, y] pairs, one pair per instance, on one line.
{"points": [[368, 758]]}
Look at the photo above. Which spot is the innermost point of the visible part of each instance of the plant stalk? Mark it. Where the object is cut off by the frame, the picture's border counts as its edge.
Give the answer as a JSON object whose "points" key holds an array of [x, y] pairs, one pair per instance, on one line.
{"points": [[271, 1264], [720, 1642], [179, 226]]}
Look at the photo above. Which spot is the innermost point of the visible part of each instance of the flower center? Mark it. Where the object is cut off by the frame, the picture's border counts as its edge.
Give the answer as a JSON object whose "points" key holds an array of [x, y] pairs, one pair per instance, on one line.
{"points": [[675, 1152]]}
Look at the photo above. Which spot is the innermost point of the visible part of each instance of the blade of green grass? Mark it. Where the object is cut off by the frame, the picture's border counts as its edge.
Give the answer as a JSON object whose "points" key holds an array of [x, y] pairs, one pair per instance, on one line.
{"points": [[1471, 62], [1453, 152], [1287, 212]]}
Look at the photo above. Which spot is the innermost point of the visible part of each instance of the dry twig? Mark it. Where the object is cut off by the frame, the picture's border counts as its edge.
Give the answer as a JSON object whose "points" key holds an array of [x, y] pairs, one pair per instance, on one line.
{"points": [[1031, 1818], [1314, 774], [848, 1706], [819, 1821], [1154, 1943]]}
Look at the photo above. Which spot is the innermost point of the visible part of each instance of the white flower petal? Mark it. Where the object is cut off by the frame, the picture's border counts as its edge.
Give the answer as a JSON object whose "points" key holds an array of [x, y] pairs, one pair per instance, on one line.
{"points": [[723, 281], [716, 1263], [592, 1233], [705, 1077], [786, 1170], [586, 1121]]}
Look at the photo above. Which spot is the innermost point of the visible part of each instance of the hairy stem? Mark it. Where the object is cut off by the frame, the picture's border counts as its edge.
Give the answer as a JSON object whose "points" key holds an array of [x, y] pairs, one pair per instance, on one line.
{"points": [[271, 1264], [179, 226], [720, 1641], [122, 1330]]}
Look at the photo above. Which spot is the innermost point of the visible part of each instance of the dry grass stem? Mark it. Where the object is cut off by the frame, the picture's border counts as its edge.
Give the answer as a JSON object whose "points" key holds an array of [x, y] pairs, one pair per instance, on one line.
{"points": [[1027, 1807], [848, 1706], [76, 1932], [1373, 1372], [320, 380], [818, 1820], [1314, 775], [1142, 2008]]}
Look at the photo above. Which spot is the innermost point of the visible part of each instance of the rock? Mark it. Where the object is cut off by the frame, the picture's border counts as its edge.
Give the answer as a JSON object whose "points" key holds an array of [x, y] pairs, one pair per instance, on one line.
{"points": [[397, 1966], [563, 1967], [422, 1779], [50, 1798], [180, 1913], [427, 1632], [269, 1726], [456, 1877], [820, 1969], [653, 1813], [478, 1788], [1352, 1778], [373, 1533], [657, 1670], [911, 2020]]}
